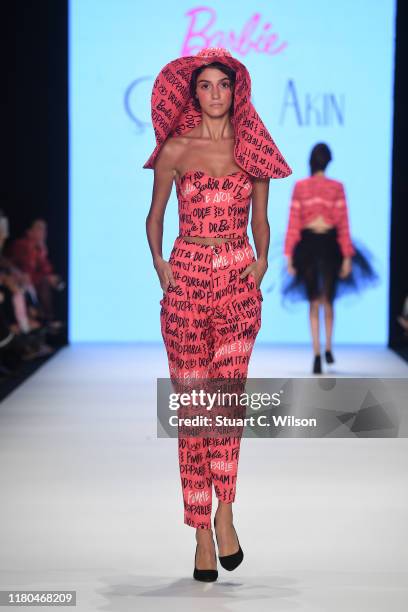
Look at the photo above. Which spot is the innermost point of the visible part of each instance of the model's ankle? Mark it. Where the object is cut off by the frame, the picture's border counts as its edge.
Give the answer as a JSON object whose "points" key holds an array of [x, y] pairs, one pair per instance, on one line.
{"points": [[224, 515], [203, 534]]}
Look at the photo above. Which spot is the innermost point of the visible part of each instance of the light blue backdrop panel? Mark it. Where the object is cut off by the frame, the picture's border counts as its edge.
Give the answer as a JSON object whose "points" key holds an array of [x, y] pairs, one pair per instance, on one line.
{"points": [[321, 71]]}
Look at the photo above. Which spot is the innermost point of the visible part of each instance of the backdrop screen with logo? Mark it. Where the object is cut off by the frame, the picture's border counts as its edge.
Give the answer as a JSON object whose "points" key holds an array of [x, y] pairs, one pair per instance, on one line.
{"points": [[321, 72]]}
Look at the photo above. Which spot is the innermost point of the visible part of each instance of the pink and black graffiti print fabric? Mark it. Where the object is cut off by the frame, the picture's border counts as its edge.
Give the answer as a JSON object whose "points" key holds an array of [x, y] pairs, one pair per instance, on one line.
{"points": [[173, 114], [213, 206], [209, 321]]}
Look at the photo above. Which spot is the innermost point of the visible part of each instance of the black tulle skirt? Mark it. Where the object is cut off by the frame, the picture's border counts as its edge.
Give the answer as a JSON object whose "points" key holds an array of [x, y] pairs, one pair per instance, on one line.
{"points": [[317, 260]]}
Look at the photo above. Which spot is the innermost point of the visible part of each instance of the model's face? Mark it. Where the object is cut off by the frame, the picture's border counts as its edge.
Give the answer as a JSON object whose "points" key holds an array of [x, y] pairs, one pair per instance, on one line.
{"points": [[214, 92]]}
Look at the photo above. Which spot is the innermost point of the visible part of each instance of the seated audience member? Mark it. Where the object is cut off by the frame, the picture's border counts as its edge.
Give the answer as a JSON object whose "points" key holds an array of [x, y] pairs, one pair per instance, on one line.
{"points": [[403, 317], [21, 336], [30, 254], [16, 287]]}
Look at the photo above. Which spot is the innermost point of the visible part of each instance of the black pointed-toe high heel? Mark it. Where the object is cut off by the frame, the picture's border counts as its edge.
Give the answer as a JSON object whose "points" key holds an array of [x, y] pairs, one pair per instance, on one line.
{"points": [[204, 575], [230, 562], [329, 357], [317, 365]]}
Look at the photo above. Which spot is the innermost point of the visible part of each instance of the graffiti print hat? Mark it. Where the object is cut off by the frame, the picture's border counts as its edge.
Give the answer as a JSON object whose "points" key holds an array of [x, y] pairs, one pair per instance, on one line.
{"points": [[173, 114]]}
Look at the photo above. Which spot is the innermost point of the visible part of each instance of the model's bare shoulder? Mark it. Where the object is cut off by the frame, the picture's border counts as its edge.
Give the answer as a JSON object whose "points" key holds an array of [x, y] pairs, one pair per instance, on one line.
{"points": [[170, 154]]}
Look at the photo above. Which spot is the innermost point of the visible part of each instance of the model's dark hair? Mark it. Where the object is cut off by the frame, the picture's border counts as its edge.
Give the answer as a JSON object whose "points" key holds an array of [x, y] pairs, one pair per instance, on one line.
{"points": [[319, 157], [229, 72]]}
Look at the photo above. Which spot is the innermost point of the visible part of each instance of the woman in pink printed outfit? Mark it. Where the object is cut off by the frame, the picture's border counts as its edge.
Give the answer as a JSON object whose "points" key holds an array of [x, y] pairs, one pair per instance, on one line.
{"points": [[214, 146], [323, 263]]}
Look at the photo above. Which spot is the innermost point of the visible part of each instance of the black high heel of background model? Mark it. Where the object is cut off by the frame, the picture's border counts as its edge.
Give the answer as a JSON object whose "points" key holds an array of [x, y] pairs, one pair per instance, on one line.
{"points": [[317, 365], [230, 562], [329, 357], [204, 575]]}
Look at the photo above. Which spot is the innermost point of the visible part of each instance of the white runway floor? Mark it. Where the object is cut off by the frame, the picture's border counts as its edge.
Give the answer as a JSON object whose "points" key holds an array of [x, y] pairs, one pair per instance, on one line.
{"points": [[91, 499]]}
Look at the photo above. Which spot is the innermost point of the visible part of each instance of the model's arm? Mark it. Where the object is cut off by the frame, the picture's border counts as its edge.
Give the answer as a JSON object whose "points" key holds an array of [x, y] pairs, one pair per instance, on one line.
{"points": [[260, 230], [163, 181], [294, 226], [343, 225]]}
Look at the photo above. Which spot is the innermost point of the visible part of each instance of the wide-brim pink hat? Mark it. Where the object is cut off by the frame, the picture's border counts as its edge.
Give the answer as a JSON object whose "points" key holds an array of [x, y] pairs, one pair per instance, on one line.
{"points": [[173, 114]]}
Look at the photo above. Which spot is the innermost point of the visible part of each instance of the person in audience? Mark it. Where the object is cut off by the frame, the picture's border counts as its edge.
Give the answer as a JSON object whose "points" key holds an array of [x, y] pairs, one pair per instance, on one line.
{"points": [[403, 317], [22, 336], [30, 254]]}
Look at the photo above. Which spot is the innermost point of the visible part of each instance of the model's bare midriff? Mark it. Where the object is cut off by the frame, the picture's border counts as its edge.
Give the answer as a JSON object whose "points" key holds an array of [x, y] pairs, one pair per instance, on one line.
{"points": [[206, 240], [319, 225]]}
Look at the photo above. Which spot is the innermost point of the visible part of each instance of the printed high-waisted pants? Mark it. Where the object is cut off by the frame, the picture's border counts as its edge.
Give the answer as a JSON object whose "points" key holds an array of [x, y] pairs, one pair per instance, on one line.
{"points": [[209, 322]]}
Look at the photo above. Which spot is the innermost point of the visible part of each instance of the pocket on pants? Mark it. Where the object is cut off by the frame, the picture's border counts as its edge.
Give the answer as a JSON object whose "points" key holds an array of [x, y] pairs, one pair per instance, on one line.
{"points": [[164, 296], [167, 290], [258, 291]]}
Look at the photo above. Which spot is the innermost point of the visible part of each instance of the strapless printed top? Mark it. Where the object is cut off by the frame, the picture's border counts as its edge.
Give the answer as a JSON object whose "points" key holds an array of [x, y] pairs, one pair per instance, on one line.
{"points": [[213, 206]]}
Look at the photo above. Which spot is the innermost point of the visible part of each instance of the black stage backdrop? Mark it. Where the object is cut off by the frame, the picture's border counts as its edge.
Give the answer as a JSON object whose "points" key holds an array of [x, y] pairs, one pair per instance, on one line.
{"points": [[399, 213], [38, 187]]}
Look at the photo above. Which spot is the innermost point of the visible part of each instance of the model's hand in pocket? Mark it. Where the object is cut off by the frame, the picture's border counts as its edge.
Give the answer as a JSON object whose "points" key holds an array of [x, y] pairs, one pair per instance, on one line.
{"points": [[164, 273], [257, 269]]}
